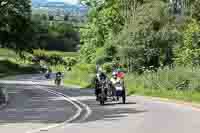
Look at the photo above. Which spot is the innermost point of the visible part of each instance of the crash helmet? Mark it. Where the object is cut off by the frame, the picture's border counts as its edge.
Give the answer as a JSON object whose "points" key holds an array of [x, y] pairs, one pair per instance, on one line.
{"points": [[100, 69], [114, 74]]}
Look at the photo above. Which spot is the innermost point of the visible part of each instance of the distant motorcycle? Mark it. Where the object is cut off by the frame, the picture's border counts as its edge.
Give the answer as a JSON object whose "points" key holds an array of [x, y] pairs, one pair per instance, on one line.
{"points": [[58, 79], [57, 82], [47, 75]]}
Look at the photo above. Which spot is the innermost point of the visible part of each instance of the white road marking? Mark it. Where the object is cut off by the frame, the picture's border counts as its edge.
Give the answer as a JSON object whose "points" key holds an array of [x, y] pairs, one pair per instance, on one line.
{"points": [[73, 101], [86, 107], [78, 113]]}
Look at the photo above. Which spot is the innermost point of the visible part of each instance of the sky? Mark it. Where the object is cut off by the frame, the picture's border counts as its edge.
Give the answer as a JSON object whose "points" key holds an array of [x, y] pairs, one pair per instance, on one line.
{"points": [[67, 1]]}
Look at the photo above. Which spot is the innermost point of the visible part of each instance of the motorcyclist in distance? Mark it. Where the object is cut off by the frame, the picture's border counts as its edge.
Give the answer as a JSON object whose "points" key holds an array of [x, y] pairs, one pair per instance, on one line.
{"points": [[48, 73], [58, 78], [58, 75]]}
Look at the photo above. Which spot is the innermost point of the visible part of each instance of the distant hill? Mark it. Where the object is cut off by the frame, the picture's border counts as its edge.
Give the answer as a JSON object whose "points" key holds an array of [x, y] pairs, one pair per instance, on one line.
{"points": [[38, 3], [45, 3], [61, 5]]}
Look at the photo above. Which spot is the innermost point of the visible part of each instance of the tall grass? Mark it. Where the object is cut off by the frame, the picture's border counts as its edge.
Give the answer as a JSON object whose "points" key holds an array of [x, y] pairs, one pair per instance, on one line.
{"points": [[182, 83], [178, 83], [81, 75], [6, 53]]}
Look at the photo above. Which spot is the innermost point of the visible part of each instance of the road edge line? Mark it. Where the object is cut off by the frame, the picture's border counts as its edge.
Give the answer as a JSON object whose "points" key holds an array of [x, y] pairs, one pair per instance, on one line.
{"points": [[78, 113], [86, 107], [194, 106]]}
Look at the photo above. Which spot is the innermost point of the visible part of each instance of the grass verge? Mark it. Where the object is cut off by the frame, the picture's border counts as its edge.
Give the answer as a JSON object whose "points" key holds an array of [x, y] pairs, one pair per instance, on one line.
{"points": [[81, 75], [9, 68], [166, 83], [12, 64]]}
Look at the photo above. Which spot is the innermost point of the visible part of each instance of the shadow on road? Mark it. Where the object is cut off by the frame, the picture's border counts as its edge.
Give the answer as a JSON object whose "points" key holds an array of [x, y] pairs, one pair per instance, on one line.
{"points": [[110, 111], [115, 104]]}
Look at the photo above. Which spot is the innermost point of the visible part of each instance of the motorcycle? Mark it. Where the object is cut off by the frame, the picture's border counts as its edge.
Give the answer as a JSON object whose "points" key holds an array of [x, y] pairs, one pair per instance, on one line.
{"points": [[58, 80], [47, 75], [102, 96]]}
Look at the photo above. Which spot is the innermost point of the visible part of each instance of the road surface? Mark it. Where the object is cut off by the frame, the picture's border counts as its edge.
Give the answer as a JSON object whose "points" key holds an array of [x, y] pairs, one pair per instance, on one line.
{"points": [[38, 107]]}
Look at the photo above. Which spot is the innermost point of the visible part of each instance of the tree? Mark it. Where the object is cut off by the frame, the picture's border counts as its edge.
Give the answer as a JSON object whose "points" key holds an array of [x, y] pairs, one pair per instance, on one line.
{"points": [[51, 18], [189, 52], [104, 21], [196, 10], [15, 24]]}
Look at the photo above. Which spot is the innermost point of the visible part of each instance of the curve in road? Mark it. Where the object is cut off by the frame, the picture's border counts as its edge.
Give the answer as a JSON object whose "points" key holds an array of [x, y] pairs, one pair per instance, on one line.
{"points": [[76, 103], [140, 115]]}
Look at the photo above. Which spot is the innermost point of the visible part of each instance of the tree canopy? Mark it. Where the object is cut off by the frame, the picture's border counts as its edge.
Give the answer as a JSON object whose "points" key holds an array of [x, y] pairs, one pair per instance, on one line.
{"points": [[15, 24], [145, 33]]}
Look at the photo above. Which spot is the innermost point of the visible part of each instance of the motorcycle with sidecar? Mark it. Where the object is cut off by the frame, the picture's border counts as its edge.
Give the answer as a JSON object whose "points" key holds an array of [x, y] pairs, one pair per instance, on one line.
{"points": [[110, 92]]}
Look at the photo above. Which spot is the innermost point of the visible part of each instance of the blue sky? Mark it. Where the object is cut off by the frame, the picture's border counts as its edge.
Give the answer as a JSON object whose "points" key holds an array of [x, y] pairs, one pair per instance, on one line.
{"points": [[67, 1]]}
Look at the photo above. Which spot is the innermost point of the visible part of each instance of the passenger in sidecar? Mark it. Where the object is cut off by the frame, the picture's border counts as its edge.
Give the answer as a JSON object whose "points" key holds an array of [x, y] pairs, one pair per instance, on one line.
{"points": [[118, 88]]}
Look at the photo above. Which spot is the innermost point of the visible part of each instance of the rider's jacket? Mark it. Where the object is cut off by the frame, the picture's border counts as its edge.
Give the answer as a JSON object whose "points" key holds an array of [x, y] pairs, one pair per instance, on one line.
{"points": [[114, 81], [58, 76]]}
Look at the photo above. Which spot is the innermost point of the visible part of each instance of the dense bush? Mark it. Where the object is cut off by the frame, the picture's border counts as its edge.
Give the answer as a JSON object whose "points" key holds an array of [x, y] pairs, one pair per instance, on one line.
{"points": [[104, 20], [108, 67], [90, 68], [179, 79], [189, 52]]}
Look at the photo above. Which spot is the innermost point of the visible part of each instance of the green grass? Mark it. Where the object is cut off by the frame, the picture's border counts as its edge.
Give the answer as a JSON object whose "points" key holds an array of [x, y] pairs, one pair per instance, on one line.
{"points": [[63, 54], [77, 77], [8, 68], [81, 75], [12, 64], [167, 83], [6, 53]]}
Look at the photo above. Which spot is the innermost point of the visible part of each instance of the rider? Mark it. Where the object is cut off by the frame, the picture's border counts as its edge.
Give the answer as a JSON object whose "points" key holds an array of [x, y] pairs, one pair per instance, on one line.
{"points": [[99, 77], [117, 77], [48, 73], [114, 79], [58, 76]]}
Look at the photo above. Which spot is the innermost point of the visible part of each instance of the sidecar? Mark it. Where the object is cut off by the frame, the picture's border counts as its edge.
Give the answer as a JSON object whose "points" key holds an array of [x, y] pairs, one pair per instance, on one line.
{"points": [[120, 92]]}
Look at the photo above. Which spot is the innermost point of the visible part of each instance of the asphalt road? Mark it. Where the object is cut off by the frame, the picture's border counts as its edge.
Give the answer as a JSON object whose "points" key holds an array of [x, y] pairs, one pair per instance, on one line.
{"points": [[37, 106]]}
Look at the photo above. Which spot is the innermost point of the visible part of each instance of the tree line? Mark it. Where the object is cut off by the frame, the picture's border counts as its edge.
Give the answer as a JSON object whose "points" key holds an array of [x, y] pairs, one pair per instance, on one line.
{"points": [[142, 34], [21, 31]]}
